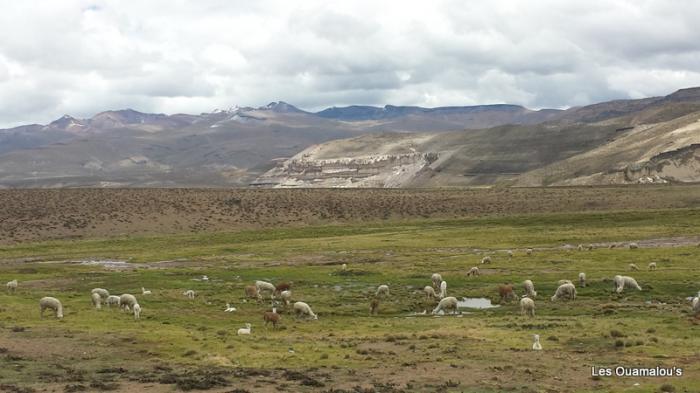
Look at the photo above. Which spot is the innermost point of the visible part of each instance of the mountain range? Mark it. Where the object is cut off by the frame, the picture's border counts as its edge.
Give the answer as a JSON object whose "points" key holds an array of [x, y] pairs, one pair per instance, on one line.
{"points": [[650, 140]]}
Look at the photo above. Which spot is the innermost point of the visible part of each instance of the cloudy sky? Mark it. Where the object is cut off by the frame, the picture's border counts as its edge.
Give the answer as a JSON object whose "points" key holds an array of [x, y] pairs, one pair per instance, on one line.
{"points": [[82, 57]]}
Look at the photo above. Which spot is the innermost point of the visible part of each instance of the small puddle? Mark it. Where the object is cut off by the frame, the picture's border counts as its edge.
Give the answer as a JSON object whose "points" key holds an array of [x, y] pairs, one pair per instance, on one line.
{"points": [[476, 302]]}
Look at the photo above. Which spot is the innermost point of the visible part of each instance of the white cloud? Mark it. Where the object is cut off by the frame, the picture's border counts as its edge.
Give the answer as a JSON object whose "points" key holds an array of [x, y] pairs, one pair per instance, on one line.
{"points": [[82, 56]]}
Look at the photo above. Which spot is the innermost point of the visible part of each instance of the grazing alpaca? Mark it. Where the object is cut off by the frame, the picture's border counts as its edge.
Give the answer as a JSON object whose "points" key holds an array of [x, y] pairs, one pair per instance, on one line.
{"points": [[283, 286], [506, 292], [51, 303], [446, 304], [565, 291], [251, 292]]}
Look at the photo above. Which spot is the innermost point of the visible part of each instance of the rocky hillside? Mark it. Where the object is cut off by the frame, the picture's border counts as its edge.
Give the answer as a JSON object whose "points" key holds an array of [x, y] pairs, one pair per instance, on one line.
{"points": [[654, 140]]}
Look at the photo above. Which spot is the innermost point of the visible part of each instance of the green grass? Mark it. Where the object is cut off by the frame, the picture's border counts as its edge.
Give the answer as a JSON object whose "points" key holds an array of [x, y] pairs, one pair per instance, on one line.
{"points": [[488, 233], [485, 350]]}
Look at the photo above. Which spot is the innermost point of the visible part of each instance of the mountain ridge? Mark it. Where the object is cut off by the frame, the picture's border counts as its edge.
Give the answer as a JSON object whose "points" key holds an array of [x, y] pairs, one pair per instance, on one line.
{"points": [[280, 145]]}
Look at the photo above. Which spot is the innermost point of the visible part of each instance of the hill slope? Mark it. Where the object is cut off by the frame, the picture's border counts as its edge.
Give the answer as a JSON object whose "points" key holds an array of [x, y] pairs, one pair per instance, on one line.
{"points": [[629, 141]]}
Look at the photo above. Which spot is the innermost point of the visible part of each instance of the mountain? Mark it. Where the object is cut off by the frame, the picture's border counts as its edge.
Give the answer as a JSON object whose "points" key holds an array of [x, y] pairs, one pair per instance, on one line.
{"points": [[360, 113], [450, 118], [625, 141], [279, 145], [129, 148]]}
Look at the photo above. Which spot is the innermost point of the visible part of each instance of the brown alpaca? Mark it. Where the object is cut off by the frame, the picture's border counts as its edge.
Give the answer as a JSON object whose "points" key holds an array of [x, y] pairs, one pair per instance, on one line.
{"points": [[506, 292], [272, 317], [373, 306], [251, 291], [283, 286]]}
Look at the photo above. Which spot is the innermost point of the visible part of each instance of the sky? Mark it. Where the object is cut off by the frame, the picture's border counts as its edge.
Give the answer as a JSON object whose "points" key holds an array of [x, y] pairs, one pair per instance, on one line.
{"points": [[173, 56]]}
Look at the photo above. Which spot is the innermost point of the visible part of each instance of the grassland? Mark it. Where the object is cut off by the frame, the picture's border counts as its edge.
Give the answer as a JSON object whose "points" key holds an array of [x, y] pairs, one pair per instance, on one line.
{"points": [[182, 344]]}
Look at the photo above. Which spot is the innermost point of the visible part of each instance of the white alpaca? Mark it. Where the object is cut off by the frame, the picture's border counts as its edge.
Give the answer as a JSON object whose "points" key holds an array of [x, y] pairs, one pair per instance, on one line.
{"points": [[264, 286], [137, 311], [443, 289], [527, 306], [486, 259], [430, 292], [286, 297], [344, 267], [245, 330], [446, 304], [112, 300], [536, 345], [529, 289], [437, 279], [103, 292], [565, 291], [126, 301], [382, 290], [633, 267], [51, 303], [625, 281], [474, 271], [510, 253], [582, 279], [12, 286], [229, 308], [144, 291], [96, 300], [303, 309], [652, 266], [529, 251], [634, 246], [190, 294]]}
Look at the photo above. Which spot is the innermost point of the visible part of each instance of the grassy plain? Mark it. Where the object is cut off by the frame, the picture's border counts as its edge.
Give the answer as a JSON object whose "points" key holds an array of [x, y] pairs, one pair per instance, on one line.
{"points": [[182, 344]]}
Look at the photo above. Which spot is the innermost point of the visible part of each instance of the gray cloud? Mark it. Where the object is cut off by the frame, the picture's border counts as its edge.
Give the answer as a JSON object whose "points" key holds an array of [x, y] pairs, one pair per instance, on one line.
{"points": [[84, 56]]}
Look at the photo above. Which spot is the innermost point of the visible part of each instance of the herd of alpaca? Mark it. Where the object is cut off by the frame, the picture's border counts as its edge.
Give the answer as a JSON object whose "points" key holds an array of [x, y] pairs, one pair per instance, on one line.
{"points": [[437, 292]]}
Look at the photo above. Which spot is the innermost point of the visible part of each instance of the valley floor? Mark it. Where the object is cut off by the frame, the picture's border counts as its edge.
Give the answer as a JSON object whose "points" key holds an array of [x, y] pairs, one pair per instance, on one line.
{"points": [[181, 344]]}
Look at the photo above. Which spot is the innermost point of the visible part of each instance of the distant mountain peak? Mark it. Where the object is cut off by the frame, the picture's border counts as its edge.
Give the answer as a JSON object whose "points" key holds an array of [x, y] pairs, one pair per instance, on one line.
{"points": [[66, 122], [63, 119], [281, 107]]}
